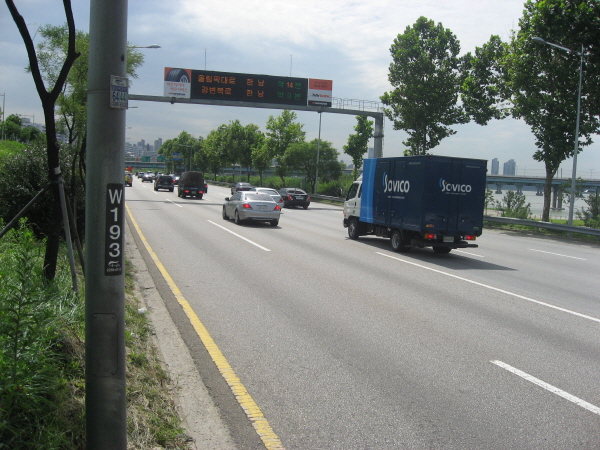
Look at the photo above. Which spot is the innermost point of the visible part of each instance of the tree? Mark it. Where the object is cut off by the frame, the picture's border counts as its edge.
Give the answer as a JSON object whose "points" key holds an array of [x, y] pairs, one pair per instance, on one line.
{"points": [[484, 91], [426, 79], [241, 140], [358, 143], [542, 82], [282, 132], [48, 99], [261, 160], [302, 156]]}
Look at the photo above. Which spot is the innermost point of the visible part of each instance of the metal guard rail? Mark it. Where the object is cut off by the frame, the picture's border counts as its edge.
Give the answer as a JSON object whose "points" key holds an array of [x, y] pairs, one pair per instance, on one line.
{"points": [[507, 220]]}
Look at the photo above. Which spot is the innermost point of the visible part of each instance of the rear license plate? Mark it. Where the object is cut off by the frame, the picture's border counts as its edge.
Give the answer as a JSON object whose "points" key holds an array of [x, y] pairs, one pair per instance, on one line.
{"points": [[298, 197], [448, 238], [262, 208]]}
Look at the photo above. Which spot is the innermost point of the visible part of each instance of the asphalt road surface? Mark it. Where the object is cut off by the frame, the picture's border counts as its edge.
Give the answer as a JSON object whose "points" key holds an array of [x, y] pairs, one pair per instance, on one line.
{"points": [[348, 345]]}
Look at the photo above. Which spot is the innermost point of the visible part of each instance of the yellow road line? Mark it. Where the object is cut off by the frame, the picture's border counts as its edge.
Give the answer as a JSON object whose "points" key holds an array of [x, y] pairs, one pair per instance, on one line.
{"points": [[255, 415]]}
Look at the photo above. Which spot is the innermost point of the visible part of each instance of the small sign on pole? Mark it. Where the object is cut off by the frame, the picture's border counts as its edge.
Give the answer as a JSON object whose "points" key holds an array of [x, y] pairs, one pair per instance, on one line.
{"points": [[119, 87]]}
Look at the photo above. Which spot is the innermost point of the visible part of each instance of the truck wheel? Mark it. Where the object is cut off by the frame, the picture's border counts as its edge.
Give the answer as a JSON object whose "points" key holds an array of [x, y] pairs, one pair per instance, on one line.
{"points": [[396, 241], [353, 229], [442, 249], [200, 196]]}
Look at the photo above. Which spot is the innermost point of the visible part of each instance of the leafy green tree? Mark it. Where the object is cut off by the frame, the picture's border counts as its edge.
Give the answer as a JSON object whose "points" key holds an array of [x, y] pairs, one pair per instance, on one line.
{"points": [[216, 151], [261, 160], [72, 102], [544, 83], [302, 156], [426, 79], [241, 140], [484, 91], [540, 82], [282, 132], [358, 143]]}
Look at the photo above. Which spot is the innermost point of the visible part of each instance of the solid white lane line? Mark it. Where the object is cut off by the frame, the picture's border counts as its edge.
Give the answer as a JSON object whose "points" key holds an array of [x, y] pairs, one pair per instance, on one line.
{"points": [[556, 254], [176, 204], [549, 387], [241, 237], [487, 286], [469, 253]]}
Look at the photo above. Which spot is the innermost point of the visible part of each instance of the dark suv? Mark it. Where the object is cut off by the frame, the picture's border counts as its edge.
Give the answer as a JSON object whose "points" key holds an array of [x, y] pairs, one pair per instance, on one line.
{"points": [[164, 182], [192, 184]]}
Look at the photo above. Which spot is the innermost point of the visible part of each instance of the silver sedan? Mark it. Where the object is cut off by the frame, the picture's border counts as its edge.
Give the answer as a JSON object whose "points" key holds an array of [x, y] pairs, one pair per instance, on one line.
{"points": [[248, 205]]}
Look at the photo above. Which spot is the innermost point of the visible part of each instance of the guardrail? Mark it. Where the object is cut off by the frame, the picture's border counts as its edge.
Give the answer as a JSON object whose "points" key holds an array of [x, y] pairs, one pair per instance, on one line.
{"points": [[507, 220]]}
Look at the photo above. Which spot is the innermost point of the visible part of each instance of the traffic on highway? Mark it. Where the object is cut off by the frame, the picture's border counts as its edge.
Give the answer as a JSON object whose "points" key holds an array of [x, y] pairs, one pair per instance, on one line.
{"points": [[347, 344]]}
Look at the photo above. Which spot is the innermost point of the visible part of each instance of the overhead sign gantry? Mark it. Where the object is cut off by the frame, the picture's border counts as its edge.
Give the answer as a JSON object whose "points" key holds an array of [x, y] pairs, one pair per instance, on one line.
{"points": [[256, 91]]}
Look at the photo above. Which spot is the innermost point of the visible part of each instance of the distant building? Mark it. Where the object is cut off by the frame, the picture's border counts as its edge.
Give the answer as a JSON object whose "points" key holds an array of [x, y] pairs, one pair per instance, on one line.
{"points": [[495, 166], [157, 144], [510, 167]]}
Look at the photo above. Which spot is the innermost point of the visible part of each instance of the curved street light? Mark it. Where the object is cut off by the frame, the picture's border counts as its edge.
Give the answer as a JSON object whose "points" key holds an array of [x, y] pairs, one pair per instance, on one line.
{"points": [[576, 144]]}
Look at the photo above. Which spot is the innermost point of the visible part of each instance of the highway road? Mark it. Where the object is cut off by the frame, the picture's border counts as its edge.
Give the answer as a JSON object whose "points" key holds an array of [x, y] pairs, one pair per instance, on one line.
{"points": [[348, 345]]}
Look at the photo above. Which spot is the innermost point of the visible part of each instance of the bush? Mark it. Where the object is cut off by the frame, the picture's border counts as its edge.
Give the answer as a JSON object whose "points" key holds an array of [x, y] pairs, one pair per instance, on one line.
{"points": [[36, 322], [513, 205], [25, 173], [591, 214]]}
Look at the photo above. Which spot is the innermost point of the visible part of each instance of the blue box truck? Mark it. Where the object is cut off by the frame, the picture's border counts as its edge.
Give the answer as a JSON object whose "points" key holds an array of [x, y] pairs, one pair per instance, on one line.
{"points": [[419, 201]]}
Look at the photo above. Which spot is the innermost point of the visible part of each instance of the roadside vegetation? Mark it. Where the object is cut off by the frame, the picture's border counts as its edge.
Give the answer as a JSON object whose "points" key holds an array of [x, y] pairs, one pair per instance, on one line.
{"points": [[42, 380]]}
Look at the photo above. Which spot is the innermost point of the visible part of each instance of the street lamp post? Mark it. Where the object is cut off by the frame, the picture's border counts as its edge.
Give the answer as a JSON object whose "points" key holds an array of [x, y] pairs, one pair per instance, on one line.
{"points": [[576, 137], [3, 116]]}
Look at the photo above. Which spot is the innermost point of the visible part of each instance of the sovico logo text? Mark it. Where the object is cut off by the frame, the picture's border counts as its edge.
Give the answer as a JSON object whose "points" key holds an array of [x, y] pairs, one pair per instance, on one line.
{"points": [[449, 187], [401, 186]]}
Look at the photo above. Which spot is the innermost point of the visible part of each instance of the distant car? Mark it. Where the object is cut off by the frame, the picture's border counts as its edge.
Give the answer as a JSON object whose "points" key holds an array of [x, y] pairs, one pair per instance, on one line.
{"points": [[192, 184], [294, 197], [147, 177], [276, 196], [241, 186], [128, 179], [250, 205], [164, 182], [139, 174], [176, 179]]}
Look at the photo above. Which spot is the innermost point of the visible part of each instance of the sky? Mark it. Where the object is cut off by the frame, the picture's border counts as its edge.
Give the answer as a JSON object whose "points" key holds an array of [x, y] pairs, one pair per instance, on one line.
{"points": [[346, 41]]}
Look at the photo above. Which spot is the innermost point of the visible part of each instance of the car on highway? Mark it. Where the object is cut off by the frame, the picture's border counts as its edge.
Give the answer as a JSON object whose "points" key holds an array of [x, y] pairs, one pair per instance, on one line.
{"points": [[164, 182], [276, 196], [294, 197], [240, 186], [148, 176], [251, 206]]}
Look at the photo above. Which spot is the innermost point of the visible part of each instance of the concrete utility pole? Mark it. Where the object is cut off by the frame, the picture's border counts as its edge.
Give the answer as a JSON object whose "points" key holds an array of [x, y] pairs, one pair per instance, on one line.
{"points": [[104, 258]]}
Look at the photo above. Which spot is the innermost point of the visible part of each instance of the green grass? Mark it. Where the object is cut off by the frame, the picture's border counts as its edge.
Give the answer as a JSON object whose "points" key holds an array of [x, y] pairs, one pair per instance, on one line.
{"points": [[42, 379]]}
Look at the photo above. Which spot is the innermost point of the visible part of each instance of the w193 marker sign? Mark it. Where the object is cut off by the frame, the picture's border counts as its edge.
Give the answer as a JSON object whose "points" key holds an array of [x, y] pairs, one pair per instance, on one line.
{"points": [[113, 237]]}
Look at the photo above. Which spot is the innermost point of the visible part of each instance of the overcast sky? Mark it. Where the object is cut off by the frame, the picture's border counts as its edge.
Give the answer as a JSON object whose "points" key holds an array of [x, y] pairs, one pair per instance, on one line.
{"points": [[346, 41]]}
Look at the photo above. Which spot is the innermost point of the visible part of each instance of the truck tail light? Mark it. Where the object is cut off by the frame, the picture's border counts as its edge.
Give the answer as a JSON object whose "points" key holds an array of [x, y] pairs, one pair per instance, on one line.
{"points": [[431, 236], [470, 237]]}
